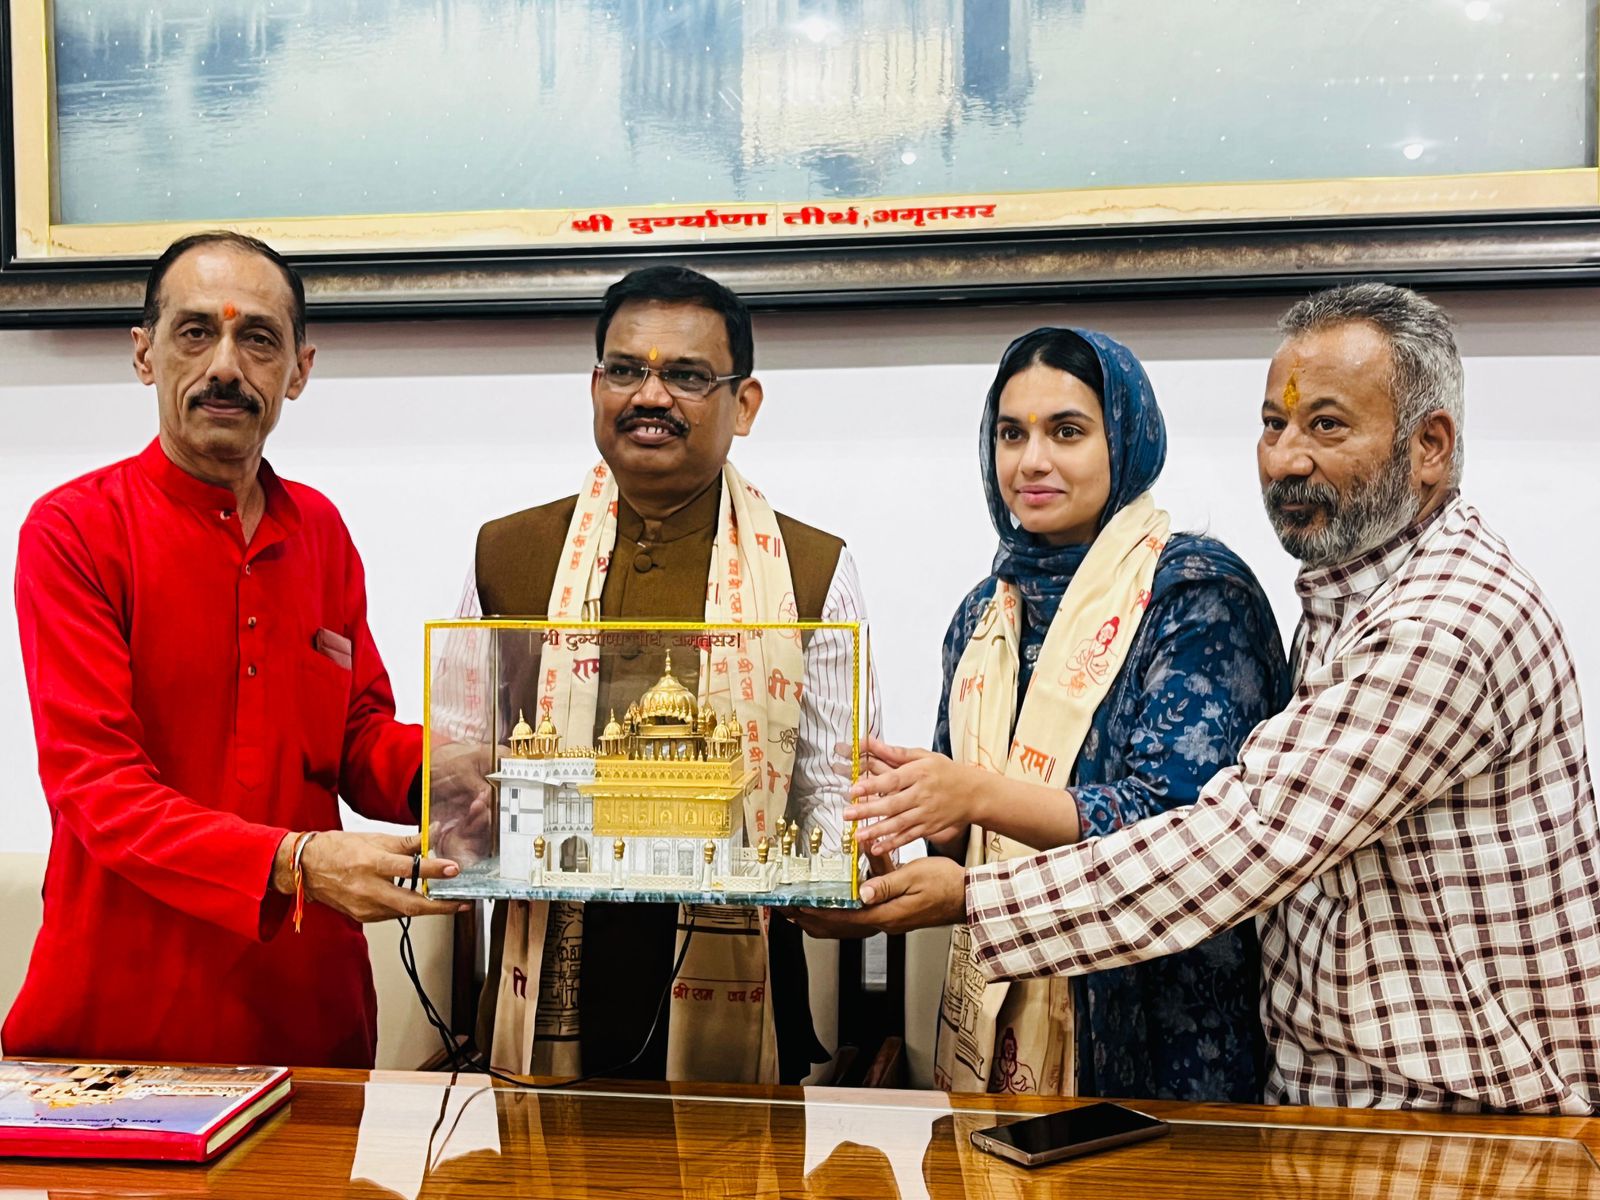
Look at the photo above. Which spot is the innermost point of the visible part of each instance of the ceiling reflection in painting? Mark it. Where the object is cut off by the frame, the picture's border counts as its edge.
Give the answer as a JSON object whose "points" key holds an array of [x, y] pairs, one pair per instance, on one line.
{"points": [[183, 110]]}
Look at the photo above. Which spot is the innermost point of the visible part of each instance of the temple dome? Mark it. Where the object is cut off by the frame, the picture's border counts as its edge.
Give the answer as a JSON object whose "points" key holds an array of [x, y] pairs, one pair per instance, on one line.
{"points": [[668, 702], [613, 729], [523, 730]]}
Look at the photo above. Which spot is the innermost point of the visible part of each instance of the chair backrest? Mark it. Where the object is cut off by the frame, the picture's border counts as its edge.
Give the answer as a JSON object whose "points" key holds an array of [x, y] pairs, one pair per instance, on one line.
{"points": [[21, 911]]}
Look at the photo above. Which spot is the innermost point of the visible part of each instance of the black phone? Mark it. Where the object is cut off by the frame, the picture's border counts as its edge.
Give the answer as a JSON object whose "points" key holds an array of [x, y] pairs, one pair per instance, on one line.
{"points": [[1067, 1134]]}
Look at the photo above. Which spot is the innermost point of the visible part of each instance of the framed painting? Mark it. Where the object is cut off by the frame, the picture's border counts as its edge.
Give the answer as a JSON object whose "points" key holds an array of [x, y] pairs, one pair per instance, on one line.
{"points": [[432, 156]]}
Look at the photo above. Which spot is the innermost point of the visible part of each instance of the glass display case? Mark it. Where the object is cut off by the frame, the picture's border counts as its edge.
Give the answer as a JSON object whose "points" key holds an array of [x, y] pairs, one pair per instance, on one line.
{"points": [[644, 761]]}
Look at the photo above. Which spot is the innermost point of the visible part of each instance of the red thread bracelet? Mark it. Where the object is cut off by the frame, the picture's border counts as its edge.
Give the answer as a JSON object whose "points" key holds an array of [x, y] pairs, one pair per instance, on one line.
{"points": [[299, 877]]}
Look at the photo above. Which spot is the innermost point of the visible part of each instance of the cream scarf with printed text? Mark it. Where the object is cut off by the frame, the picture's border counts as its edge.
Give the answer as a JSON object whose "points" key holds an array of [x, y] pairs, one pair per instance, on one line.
{"points": [[720, 1024], [1019, 1036]]}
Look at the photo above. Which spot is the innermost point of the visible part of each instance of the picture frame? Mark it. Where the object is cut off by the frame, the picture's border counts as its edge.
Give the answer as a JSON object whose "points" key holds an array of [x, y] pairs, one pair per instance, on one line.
{"points": [[1483, 227]]}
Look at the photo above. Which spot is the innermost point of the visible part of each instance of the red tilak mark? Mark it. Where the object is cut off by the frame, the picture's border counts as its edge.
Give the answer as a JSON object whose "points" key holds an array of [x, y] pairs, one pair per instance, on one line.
{"points": [[229, 312]]}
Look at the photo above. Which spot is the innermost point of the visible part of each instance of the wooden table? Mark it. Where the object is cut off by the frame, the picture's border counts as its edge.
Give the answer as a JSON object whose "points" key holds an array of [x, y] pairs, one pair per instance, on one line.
{"points": [[410, 1134]]}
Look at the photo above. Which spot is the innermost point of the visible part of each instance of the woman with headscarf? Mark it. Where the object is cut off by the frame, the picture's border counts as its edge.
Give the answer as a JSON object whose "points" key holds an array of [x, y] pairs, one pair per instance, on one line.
{"points": [[1107, 657]]}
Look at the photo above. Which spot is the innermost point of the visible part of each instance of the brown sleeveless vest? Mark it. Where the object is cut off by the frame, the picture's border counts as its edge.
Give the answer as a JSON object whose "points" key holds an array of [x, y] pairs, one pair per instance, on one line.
{"points": [[663, 577], [658, 571]]}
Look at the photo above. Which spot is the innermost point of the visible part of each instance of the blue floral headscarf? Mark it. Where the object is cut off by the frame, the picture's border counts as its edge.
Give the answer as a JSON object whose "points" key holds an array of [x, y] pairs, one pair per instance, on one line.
{"points": [[1136, 435]]}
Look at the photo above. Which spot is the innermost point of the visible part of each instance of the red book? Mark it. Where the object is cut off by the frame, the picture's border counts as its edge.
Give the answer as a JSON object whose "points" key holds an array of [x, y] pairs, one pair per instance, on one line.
{"points": [[181, 1114]]}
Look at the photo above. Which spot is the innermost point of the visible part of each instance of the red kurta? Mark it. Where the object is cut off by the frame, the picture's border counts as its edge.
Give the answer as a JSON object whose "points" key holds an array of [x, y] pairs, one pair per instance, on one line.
{"points": [[185, 722]]}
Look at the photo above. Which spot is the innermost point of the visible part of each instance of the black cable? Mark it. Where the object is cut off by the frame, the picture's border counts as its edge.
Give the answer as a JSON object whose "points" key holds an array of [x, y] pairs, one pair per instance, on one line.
{"points": [[455, 1055], [459, 1057], [444, 1107], [468, 1058], [431, 1158]]}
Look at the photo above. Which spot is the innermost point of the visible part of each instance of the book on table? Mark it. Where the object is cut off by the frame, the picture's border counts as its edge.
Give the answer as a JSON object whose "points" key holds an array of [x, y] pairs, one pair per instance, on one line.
{"points": [[86, 1110]]}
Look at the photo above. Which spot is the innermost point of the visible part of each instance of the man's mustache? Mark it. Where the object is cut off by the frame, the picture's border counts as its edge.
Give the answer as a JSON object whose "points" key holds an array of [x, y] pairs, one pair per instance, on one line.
{"points": [[653, 416], [225, 393], [1282, 493]]}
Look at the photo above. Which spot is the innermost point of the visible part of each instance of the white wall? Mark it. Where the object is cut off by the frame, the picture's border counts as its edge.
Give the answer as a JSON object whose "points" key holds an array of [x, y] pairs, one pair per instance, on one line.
{"points": [[422, 431]]}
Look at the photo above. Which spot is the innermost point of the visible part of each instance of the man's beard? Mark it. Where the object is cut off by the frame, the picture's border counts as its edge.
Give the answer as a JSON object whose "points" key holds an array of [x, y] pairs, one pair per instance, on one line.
{"points": [[1366, 515]]}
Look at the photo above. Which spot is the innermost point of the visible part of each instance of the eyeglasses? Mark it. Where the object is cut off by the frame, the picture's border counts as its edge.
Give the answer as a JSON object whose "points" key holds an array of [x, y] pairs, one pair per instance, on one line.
{"points": [[684, 382]]}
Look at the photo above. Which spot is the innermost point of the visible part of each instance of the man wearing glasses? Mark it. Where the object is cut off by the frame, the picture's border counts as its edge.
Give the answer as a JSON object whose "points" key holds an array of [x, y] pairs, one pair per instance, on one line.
{"points": [[665, 528]]}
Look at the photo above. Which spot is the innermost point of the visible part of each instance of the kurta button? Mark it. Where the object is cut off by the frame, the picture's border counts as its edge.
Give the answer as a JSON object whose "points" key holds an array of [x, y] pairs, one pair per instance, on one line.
{"points": [[252, 671], [247, 568], [225, 513], [642, 561], [251, 623]]}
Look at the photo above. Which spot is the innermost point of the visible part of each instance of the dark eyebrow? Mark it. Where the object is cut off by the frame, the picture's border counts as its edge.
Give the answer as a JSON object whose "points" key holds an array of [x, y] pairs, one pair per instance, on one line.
{"points": [[262, 318], [1273, 405], [1324, 402], [682, 360], [1064, 415], [270, 320]]}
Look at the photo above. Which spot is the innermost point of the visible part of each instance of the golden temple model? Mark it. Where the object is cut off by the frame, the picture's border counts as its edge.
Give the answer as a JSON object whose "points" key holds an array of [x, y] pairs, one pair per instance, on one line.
{"points": [[659, 801]]}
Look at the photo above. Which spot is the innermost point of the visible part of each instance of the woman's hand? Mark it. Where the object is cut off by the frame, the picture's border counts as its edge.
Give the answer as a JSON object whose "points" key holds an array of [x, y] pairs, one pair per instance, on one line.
{"points": [[911, 794]]}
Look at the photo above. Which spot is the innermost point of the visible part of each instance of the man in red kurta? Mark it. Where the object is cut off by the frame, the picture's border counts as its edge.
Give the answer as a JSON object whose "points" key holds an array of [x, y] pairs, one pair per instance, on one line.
{"points": [[204, 685]]}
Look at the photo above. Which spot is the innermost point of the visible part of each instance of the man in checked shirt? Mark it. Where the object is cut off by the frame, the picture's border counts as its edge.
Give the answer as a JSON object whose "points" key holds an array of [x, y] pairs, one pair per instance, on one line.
{"points": [[1416, 831]]}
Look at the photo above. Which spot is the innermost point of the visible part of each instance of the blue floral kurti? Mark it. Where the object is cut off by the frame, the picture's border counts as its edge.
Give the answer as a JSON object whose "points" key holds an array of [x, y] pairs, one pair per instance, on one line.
{"points": [[1205, 667]]}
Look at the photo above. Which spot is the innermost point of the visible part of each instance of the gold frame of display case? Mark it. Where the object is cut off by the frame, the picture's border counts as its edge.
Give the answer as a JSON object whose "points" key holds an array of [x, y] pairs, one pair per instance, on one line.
{"points": [[1493, 227], [621, 781]]}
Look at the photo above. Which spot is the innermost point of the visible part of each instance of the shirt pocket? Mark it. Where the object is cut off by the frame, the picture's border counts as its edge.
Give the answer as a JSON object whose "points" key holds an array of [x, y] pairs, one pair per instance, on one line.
{"points": [[324, 704]]}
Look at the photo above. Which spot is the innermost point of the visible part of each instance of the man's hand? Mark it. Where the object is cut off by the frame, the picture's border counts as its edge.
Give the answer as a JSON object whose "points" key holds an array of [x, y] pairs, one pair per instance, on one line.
{"points": [[928, 892], [355, 873], [909, 794], [832, 924], [461, 809]]}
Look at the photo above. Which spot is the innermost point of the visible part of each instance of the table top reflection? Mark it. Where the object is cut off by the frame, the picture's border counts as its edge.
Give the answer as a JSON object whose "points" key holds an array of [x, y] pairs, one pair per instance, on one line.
{"points": [[415, 1135]]}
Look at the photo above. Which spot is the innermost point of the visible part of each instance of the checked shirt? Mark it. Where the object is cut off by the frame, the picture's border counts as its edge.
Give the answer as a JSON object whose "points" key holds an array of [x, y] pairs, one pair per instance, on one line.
{"points": [[1416, 832]]}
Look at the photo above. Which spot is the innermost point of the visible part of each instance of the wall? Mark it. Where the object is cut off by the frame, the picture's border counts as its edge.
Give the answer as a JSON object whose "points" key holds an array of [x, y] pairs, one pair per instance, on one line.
{"points": [[422, 431]]}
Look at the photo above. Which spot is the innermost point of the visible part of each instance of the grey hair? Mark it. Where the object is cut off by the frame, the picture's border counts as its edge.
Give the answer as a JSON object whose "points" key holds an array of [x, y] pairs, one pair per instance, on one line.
{"points": [[1422, 346]]}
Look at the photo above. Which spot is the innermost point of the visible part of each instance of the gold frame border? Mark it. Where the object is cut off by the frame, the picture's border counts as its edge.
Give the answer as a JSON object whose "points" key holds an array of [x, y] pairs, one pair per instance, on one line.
{"points": [[625, 626], [32, 91], [40, 239]]}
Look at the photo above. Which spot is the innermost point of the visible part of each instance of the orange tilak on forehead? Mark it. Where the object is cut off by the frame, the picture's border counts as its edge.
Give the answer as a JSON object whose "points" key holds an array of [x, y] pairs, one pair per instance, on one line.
{"points": [[1291, 393], [1033, 418], [654, 354], [229, 311]]}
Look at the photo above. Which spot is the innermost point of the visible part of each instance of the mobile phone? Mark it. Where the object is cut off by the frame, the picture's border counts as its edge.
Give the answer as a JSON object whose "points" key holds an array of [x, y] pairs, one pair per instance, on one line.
{"points": [[1067, 1134]]}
